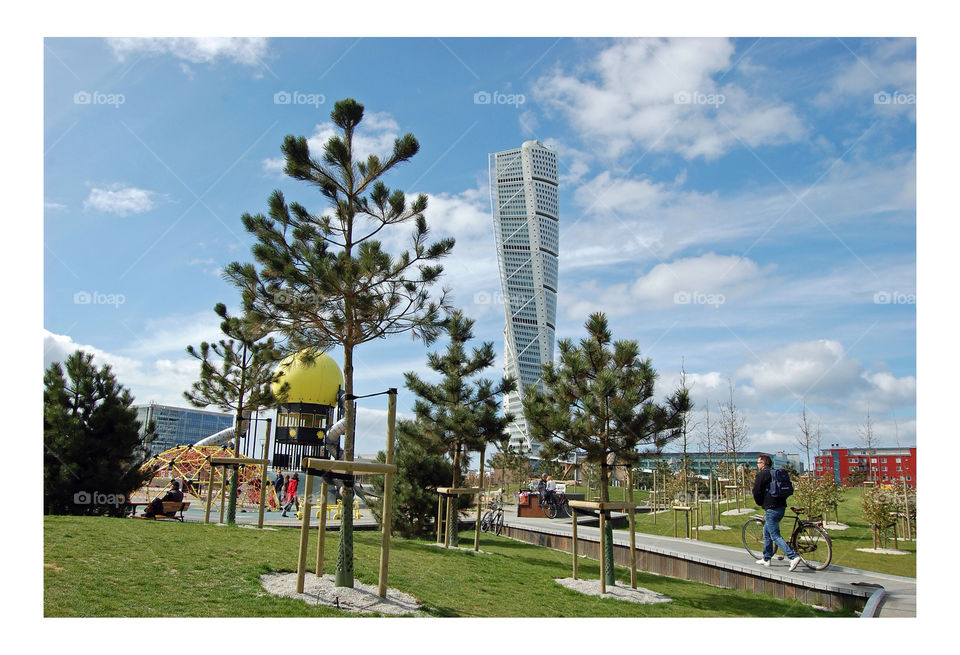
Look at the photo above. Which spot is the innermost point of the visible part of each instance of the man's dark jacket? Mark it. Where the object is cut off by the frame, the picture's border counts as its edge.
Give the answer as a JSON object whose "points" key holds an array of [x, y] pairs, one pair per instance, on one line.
{"points": [[761, 493]]}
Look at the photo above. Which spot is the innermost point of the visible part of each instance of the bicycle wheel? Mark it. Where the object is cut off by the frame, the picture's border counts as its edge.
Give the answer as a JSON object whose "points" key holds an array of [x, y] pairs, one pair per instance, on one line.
{"points": [[813, 545], [486, 521], [498, 524], [565, 508], [752, 535], [550, 509]]}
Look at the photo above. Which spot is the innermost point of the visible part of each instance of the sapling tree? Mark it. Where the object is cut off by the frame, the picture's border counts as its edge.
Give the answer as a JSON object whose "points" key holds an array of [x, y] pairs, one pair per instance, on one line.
{"points": [[599, 398], [325, 280], [236, 374], [459, 413]]}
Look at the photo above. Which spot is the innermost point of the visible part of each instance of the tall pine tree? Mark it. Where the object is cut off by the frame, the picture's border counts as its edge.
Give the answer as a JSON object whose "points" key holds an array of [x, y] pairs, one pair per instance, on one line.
{"points": [[92, 445], [599, 399], [325, 281], [235, 375], [460, 413]]}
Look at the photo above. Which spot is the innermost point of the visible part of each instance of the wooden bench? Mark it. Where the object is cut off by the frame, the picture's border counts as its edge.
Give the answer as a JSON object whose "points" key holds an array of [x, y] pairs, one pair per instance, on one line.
{"points": [[170, 510]]}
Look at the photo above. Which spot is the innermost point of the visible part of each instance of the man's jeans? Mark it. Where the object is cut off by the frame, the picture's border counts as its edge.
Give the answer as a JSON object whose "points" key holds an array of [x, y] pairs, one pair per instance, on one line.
{"points": [[771, 535]]}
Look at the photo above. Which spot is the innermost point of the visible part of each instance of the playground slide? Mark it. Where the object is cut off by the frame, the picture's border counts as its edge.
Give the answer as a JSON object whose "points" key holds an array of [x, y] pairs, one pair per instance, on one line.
{"points": [[217, 438]]}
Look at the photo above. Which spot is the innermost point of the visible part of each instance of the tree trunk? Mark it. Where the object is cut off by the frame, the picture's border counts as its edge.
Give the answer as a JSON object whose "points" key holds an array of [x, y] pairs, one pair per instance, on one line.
{"points": [[235, 470], [609, 575], [344, 574], [453, 502]]}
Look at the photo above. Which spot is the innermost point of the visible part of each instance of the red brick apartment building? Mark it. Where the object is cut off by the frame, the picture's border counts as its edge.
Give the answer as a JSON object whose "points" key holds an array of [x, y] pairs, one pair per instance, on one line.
{"points": [[880, 464]]}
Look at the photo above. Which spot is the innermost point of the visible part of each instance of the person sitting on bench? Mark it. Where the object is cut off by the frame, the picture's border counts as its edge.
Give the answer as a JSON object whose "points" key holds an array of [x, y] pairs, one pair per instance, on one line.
{"points": [[173, 496]]}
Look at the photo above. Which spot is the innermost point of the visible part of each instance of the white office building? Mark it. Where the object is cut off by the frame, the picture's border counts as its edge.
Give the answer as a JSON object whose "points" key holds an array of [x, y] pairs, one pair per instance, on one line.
{"points": [[523, 195]]}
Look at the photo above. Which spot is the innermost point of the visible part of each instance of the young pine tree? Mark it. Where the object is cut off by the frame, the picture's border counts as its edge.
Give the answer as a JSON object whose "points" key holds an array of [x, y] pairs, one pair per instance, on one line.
{"points": [[235, 375], [599, 398], [92, 445], [460, 413], [324, 280]]}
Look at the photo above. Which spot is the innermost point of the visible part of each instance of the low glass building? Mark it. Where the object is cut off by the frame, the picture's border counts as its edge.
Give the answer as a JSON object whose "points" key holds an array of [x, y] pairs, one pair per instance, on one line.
{"points": [[179, 426]]}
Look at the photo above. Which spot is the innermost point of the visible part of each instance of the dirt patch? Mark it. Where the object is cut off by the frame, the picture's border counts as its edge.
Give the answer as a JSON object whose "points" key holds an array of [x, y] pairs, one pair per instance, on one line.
{"points": [[884, 551], [361, 599], [52, 567], [618, 591]]}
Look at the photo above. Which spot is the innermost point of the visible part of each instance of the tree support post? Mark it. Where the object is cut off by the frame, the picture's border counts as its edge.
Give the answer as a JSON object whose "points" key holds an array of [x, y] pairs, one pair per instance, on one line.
{"points": [[304, 533], [263, 476], [223, 493], [575, 571], [206, 515], [603, 552], [322, 528], [476, 527], [386, 517], [633, 532]]}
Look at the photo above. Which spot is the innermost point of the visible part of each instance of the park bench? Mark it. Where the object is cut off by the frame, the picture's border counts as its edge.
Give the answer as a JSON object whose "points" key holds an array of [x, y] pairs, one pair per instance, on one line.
{"points": [[171, 509]]}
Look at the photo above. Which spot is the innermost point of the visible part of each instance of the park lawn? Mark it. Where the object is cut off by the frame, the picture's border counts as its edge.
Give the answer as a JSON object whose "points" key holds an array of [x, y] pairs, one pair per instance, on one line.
{"points": [[97, 566], [845, 542]]}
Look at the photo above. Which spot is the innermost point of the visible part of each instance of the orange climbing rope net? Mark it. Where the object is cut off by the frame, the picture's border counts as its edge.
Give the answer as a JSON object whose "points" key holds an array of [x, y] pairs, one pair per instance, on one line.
{"points": [[190, 465]]}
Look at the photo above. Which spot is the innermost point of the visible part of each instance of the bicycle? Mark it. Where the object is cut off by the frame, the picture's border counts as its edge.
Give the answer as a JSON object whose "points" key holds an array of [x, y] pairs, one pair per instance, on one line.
{"points": [[810, 541], [557, 505], [492, 520]]}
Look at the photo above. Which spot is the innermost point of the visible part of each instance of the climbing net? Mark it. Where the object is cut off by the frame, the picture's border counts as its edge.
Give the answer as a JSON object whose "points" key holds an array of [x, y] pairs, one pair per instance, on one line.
{"points": [[190, 465]]}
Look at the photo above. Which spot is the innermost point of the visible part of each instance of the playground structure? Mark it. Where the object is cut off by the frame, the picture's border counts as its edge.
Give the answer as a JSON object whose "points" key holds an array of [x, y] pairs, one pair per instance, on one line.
{"points": [[192, 466]]}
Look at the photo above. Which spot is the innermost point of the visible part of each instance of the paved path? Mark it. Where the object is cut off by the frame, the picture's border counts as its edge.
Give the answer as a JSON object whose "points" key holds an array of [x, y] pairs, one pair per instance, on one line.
{"points": [[901, 598]]}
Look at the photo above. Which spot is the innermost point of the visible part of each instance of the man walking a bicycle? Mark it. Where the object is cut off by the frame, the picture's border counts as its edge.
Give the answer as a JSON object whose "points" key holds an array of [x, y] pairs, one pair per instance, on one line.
{"points": [[774, 509]]}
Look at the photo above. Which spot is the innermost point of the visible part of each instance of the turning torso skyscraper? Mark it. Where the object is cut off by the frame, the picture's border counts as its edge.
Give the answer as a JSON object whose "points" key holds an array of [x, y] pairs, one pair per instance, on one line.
{"points": [[523, 194]]}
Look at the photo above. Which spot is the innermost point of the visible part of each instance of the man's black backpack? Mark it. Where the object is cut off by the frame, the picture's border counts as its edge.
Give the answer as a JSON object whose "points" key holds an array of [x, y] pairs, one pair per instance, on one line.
{"points": [[780, 484]]}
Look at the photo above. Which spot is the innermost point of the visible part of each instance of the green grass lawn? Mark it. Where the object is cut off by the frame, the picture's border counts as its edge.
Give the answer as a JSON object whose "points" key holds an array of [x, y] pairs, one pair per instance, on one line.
{"points": [[845, 542], [123, 567]]}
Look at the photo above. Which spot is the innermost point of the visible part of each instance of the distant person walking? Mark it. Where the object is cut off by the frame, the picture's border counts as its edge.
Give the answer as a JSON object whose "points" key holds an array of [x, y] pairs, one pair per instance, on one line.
{"points": [[278, 486], [774, 509], [292, 494]]}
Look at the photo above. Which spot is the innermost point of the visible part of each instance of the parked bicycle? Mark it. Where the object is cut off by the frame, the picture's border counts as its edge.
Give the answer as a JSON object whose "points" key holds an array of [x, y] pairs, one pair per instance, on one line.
{"points": [[492, 520], [808, 539], [557, 505]]}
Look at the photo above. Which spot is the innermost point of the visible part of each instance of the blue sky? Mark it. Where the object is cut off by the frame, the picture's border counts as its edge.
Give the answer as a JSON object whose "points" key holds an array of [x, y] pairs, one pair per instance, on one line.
{"points": [[744, 206]]}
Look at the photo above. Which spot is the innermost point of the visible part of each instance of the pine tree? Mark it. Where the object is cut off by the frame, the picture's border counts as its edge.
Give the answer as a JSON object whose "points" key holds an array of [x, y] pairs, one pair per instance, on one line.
{"points": [[598, 398], [235, 375], [325, 281], [92, 445], [419, 473], [460, 413]]}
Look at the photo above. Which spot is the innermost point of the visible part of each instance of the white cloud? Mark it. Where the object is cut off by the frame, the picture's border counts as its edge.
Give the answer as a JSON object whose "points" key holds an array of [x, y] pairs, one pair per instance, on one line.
{"points": [[881, 66], [708, 279], [660, 95], [245, 51], [160, 380], [120, 200], [53, 206], [821, 371], [649, 219]]}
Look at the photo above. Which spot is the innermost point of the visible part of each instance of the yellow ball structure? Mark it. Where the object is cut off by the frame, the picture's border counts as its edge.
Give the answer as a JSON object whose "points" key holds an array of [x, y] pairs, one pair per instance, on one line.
{"points": [[315, 382]]}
